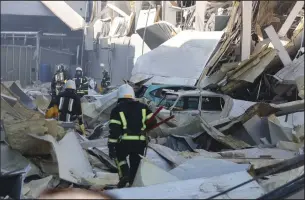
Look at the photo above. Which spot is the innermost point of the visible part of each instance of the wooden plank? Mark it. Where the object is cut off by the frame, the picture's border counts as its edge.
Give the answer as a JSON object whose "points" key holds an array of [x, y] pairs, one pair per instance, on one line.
{"points": [[246, 30], [287, 24], [276, 42]]}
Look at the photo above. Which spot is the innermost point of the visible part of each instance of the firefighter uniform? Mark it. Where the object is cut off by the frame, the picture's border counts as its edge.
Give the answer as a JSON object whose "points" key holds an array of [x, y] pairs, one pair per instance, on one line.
{"points": [[69, 105], [105, 83], [59, 79], [127, 134], [81, 82]]}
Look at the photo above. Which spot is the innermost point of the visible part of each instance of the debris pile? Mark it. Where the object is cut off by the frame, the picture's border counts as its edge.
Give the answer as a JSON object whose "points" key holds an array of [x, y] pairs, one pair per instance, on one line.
{"points": [[238, 125], [39, 153]]}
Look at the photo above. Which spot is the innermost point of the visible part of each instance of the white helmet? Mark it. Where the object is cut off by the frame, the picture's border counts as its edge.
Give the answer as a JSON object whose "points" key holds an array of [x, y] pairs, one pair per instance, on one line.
{"points": [[70, 84], [126, 91], [79, 69]]}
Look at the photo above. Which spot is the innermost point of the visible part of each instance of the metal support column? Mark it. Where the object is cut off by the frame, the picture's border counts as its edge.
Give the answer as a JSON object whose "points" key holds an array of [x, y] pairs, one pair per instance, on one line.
{"points": [[37, 54]]}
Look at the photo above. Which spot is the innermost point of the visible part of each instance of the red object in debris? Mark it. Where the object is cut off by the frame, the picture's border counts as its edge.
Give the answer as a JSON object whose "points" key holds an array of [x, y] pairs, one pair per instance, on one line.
{"points": [[154, 114], [162, 122]]}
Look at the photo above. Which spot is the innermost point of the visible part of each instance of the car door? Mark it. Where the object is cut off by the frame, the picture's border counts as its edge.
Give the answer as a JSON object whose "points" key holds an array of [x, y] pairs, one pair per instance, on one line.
{"points": [[186, 109], [211, 108]]}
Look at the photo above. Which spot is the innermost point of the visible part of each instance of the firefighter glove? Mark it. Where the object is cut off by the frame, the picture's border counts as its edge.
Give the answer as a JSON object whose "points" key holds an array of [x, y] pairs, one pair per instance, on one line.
{"points": [[112, 151], [82, 128]]}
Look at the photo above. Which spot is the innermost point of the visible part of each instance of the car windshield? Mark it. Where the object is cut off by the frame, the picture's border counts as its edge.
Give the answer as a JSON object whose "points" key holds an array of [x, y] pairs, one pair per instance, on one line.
{"points": [[168, 101]]}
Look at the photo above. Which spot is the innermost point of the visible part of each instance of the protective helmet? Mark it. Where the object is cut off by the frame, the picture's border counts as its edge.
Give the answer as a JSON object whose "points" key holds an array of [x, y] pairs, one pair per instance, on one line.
{"points": [[59, 68], [125, 91], [70, 84], [79, 71], [62, 67]]}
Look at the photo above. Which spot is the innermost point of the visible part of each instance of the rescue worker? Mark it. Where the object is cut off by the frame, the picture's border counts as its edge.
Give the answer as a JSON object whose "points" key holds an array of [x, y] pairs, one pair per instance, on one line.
{"points": [[68, 104], [105, 83], [59, 79], [127, 133], [81, 82]]}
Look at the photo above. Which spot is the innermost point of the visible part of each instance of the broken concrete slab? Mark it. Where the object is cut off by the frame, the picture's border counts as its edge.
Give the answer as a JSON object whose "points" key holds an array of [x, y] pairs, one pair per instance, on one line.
{"points": [[258, 153], [200, 188], [290, 73], [95, 162], [19, 107], [150, 174], [8, 113], [94, 143], [182, 142], [255, 162], [292, 120], [101, 180], [17, 137], [48, 166], [279, 132], [167, 153], [201, 167], [24, 99], [102, 154], [34, 188], [157, 33], [13, 161], [257, 128], [280, 179], [71, 169], [158, 160], [290, 146], [227, 140]]}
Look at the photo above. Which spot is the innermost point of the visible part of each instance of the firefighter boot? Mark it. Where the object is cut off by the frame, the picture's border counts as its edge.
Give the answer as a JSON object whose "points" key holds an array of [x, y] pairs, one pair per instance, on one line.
{"points": [[123, 182], [124, 178]]}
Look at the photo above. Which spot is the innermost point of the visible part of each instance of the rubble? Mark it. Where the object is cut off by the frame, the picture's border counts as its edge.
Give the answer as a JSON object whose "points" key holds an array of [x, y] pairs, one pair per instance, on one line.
{"points": [[34, 188], [277, 180], [71, 169], [194, 188], [200, 167], [240, 115], [149, 174], [191, 44]]}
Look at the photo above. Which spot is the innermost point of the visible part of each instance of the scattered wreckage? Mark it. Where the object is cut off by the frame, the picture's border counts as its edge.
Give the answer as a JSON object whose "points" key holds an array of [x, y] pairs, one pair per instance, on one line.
{"points": [[238, 132], [178, 158]]}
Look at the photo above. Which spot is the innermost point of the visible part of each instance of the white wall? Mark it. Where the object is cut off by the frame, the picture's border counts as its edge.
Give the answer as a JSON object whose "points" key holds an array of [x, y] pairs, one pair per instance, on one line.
{"points": [[120, 61], [24, 8], [78, 6], [37, 8]]}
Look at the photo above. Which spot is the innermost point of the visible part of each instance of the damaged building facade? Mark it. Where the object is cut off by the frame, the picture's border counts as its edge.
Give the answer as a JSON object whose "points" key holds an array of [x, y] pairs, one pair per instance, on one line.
{"points": [[226, 78]]}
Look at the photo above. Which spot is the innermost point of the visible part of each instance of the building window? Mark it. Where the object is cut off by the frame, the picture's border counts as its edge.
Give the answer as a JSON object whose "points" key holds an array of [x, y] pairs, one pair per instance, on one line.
{"points": [[212, 103]]}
